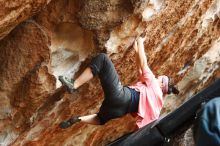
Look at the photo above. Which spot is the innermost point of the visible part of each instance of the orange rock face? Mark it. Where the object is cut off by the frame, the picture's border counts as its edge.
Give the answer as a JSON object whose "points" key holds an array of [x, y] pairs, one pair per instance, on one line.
{"points": [[14, 12], [183, 41]]}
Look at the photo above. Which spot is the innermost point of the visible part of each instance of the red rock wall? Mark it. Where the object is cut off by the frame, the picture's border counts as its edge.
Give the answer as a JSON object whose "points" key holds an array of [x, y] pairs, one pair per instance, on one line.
{"points": [[183, 40], [14, 12], [25, 78]]}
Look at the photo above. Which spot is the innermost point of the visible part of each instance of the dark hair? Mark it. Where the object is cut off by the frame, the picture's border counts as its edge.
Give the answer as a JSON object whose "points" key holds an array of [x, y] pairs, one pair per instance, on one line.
{"points": [[172, 88]]}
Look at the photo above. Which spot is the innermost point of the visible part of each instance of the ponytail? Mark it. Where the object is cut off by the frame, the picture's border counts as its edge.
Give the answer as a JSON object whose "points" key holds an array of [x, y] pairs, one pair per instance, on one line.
{"points": [[172, 88]]}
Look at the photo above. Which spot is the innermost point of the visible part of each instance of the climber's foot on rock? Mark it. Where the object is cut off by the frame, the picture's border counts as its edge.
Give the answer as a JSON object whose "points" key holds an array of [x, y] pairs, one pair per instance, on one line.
{"points": [[68, 83]]}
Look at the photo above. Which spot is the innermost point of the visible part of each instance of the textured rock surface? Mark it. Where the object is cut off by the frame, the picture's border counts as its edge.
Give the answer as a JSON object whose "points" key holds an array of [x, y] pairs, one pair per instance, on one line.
{"points": [[14, 12], [183, 41], [70, 44], [25, 78]]}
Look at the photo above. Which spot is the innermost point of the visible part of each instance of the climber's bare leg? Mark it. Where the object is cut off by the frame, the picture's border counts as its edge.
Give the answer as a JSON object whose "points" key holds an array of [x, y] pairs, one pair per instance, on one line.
{"points": [[83, 78], [90, 119], [72, 85]]}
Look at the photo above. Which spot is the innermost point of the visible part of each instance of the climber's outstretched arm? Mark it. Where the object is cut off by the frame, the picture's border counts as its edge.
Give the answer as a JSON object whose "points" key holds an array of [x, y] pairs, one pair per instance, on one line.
{"points": [[136, 56], [140, 54]]}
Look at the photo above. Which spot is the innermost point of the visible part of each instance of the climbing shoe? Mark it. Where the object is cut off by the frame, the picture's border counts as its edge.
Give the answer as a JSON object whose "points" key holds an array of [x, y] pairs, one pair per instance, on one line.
{"points": [[68, 83], [70, 122]]}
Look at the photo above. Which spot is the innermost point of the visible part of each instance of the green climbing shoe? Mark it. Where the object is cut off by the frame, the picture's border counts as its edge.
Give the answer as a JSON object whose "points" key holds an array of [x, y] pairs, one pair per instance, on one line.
{"points": [[69, 122], [68, 83]]}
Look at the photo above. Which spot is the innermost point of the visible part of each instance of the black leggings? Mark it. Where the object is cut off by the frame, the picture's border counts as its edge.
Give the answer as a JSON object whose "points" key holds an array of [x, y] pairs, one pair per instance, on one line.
{"points": [[117, 97]]}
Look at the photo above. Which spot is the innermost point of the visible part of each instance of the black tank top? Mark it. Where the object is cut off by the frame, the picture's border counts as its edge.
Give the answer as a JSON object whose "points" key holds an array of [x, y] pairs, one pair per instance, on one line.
{"points": [[135, 95]]}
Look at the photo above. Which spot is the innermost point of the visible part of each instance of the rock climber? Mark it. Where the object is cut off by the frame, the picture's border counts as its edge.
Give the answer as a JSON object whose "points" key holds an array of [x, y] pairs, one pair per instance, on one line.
{"points": [[145, 98]]}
